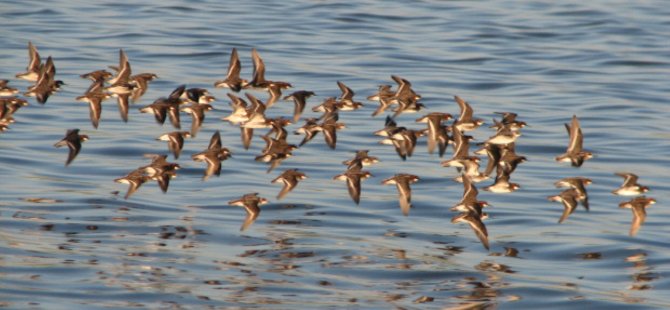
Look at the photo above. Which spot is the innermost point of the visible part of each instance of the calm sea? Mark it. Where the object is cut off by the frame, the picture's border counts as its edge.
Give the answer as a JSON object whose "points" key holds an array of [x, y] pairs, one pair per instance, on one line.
{"points": [[69, 240]]}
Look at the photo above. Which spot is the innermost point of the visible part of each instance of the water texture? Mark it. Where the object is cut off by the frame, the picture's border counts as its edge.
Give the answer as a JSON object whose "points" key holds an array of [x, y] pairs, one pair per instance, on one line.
{"points": [[69, 240]]}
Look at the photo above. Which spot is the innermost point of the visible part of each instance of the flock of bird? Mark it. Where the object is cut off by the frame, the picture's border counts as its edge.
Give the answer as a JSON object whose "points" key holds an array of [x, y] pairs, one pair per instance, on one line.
{"points": [[249, 114]]}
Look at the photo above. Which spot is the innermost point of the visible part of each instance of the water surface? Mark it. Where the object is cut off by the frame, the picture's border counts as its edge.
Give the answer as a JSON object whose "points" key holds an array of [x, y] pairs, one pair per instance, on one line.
{"points": [[83, 246]]}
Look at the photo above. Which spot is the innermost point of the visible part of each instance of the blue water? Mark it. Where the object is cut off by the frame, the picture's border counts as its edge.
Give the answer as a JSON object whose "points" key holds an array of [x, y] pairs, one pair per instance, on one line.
{"points": [[84, 246]]}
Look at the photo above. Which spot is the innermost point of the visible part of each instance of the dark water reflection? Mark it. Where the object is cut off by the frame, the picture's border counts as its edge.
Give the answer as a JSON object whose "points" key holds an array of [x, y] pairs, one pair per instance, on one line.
{"points": [[69, 240]]}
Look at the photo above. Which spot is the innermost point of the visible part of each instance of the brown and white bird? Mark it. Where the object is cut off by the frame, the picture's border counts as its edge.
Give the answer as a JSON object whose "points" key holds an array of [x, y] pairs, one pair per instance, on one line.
{"points": [[493, 154], [390, 126], [310, 129], [169, 106], [508, 121], [213, 156], [403, 140], [197, 111], [134, 179], [404, 92], [461, 144], [122, 88], [256, 114], [258, 80], [504, 137], [569, 199], [353, 179], [347, 98], [385, 96], [46, 83], [160, 170], [630, 187], [300, 101], [254, 118], [5, 90], [502, 184], [258, 74], [408, 107], [175, 141], [509, 159], [97, 76], [476, 224], [402, 182], [278, 127], [123, 60], [465, 121], [329, 106], [384, 92], [8, 106], [94, 96], [251, 203], [579, 184], [275, 151], [196, 95], [470, 169], [329, 128], [575, 154], [360, 160], [232, 80], [239, 114], [469, 201], [290, 179], [384, 104], [437, 132], [140, 84], [638, 205], [33, 69], [73, 141]]}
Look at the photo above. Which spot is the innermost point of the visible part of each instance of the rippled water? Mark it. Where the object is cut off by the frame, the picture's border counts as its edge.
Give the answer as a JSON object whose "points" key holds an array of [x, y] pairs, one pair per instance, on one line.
{"points": [[82, 245]]}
